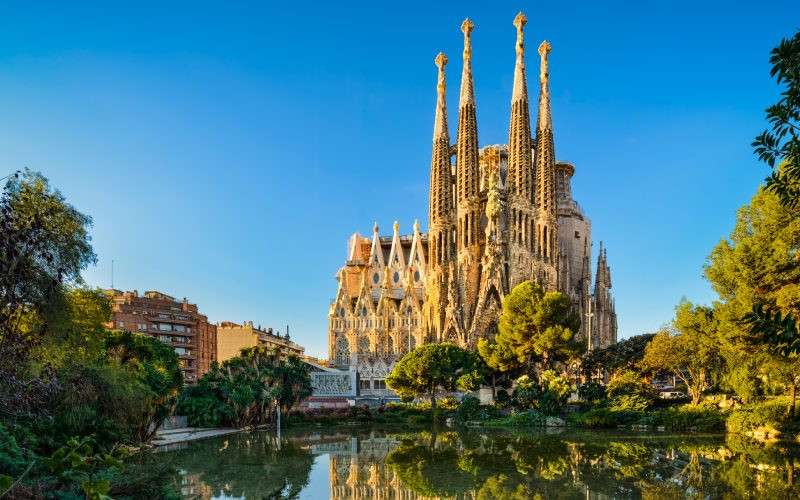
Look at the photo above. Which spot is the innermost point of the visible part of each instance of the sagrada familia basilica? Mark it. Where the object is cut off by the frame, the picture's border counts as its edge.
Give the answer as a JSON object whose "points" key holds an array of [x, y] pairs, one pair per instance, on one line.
{"points": [[498, 215]]}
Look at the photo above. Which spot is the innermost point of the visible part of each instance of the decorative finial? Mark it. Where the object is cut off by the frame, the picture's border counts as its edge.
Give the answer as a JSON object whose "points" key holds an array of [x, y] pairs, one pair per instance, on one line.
{"points": [[441, 61], [396, 227], [416, 225], [544, 50], [375, 227], [466, 27], [520, 22]]}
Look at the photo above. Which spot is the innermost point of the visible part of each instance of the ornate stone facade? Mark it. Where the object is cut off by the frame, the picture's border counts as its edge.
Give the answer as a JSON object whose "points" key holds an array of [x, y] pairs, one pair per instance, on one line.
{"points": [[498, 216]]}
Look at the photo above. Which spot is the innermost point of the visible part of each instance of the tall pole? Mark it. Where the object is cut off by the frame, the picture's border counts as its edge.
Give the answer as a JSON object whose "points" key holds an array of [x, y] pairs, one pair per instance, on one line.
{"points": [[589, 315]]}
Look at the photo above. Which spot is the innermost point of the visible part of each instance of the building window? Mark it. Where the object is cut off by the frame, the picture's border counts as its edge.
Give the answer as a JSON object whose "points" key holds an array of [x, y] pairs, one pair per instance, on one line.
{"points": [[342, 352], [380, 384], [396, 277], [375, 278], [165, 327], [363, 384], [122, 324]]}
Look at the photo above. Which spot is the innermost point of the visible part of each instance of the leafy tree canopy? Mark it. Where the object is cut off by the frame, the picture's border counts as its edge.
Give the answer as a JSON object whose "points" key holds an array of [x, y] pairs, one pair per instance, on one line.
{"points": [[781, 143], [623, 356], [535, 328], [433, 366], [690, 350]]}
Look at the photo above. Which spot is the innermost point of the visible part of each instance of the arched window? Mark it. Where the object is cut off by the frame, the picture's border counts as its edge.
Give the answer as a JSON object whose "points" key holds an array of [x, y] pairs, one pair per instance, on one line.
{"points": [[342, 352]]}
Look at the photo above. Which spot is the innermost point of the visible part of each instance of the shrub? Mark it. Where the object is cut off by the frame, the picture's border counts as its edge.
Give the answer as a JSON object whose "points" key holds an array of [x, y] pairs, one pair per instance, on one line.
{"points": [[468, 410], [525, 393], [768, 415], [110, 403], [592, 394], [502, 400], [418, 419], [629, 403], [12, 456], [531, 418], [703, 418], [628, 392], [597, 418], [441, 404]]}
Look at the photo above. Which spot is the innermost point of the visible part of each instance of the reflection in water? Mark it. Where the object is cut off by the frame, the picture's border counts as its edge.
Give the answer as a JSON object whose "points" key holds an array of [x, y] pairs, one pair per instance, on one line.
{"points": [[392, 463]]}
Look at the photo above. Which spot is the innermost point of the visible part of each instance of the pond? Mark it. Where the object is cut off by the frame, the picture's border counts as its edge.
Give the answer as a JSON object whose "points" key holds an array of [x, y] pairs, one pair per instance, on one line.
{"points": [[401, 463]]}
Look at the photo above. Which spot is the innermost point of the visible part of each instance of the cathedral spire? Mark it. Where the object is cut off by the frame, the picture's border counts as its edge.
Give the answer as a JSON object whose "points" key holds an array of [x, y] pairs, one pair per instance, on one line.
{"points": [[545, 165], [440, 210], [545, 150], [519, 182], [467, 142], [467, 87], [467, 176]]}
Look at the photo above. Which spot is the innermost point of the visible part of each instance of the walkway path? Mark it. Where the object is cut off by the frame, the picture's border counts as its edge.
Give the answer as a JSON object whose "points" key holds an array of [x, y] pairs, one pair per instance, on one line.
{"points": [[185, 434]]}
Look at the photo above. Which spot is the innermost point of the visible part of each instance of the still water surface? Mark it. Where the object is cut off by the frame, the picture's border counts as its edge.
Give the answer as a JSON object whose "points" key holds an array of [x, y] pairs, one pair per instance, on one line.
{"points": [[401, 463]]}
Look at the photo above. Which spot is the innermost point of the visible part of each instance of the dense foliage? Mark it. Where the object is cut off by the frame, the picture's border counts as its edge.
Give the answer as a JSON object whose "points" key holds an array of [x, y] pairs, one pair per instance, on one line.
{"points": [[247, 390], [536, 330], [625, 355], [73, 395], [436, 366]]}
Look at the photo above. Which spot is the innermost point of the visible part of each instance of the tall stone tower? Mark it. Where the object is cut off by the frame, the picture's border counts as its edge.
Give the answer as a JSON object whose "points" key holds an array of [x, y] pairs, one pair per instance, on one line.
{"points": [[546, 204], [467, 189], [440, 215], [498, 216], [519, 179]]}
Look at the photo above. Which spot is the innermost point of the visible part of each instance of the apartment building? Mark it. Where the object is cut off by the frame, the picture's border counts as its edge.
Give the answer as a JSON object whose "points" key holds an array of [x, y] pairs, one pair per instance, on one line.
{"points": [[174, 322], [233, 337]]}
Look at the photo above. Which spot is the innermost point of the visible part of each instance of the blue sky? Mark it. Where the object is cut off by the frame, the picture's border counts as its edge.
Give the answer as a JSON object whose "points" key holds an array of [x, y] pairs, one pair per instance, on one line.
{"points": [[226, 153]]}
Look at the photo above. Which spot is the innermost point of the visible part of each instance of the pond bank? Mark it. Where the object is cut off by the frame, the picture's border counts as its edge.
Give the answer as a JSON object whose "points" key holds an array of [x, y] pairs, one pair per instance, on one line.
{"points": [[481, 462], [186, 434]]}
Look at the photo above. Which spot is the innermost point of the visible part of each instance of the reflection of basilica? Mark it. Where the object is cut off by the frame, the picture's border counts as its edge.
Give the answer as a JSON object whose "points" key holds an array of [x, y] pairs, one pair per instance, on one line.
{"points": [[481, 464], [358, 469]]}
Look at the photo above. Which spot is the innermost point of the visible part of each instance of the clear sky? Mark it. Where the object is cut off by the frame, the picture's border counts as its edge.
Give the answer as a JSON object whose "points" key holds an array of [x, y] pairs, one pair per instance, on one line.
{"points": [[226, 152]]}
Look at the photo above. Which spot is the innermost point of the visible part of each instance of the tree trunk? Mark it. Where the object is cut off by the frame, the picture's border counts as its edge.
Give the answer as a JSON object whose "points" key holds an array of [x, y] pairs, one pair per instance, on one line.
{"points": [[695, 396], [494, 391], [433, 397], [792, 396]]}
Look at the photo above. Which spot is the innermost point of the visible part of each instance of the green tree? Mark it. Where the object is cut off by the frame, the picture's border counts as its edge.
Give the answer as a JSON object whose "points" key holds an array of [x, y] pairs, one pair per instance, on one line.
{"points": [[621, 357], [536, 330], [692, 354], [757, 268], [246, 390], [781, 143], [44, 244], [433, 366], [157, 367], [76, 321], [628, 391]]}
